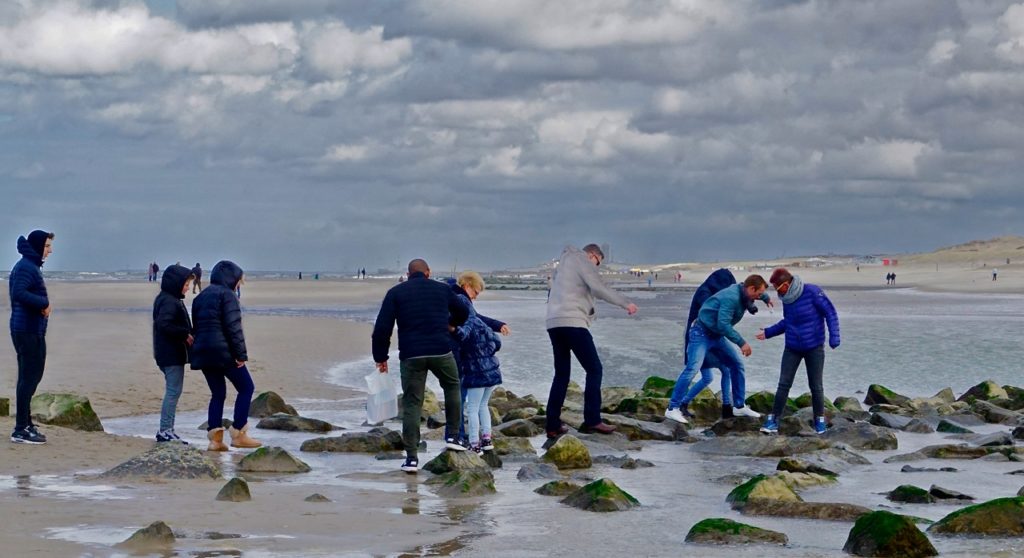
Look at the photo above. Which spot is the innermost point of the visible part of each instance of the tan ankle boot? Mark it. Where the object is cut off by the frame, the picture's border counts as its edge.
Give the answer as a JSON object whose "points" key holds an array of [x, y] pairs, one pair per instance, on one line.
{"points": [[216, 437], [241, 439]]}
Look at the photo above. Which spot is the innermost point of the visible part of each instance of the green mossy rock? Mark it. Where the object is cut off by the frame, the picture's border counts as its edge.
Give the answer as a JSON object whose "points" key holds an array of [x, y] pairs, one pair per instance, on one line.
{"points": [[601, 495], [881, 395], [985, 391], [762, 487], [431, 404], [910, 494], [1003, 517], [883, 533], [763, 401], [568, 453], [272, 460], [804, 401], [376, 440], [660, 387], [643, 405], [236, 490], [558, 488], [847, 404], [948, 427], [718, 530], [707, 407], [612, 396], [464, 484], [269, 403], [65, 409], [514, 448], [448, 461], [5, 407]]}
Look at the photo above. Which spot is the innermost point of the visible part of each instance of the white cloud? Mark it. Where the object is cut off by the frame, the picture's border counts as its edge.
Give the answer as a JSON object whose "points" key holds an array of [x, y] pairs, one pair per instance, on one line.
{"points": [[590, 137], [942, 51], [874, 159], [335, 51], [343, 153], [504, 162]]}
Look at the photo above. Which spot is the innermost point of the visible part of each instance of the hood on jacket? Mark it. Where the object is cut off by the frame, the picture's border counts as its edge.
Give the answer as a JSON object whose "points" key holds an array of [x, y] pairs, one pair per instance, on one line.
{"points": [[173, 282], [720, 279], [25, 249], [226, 274]]}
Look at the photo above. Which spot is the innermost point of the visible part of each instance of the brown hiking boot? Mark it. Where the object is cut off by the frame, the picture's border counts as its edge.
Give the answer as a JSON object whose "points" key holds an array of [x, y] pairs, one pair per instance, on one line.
{"points": [[216, 437], [241, 439]]}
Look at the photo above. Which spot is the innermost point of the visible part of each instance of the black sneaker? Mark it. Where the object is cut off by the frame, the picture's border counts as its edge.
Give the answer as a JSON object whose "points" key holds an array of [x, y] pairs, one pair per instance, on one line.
{"points": [[411, 465], [28, 435], [169, 436], [455, 444], [35, 432]]}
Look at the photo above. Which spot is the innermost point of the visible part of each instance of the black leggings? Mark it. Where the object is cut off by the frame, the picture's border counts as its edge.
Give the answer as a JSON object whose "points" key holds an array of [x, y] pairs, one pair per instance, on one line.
{"points": [[31, 350]]}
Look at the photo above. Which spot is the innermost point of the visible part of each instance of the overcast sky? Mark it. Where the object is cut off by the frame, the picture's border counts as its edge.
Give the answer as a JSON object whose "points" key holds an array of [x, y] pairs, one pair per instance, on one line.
{"points": [[332, 134]]}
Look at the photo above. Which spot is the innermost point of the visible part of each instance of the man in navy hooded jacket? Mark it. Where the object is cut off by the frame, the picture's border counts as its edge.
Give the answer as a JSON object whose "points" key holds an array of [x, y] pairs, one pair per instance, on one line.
{"points": [[30, 313]]}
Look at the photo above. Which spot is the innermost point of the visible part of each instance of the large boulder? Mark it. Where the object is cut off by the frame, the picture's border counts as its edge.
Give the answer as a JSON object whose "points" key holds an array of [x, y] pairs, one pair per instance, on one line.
{"points": [[650, 406], [521, 428], [236, 490], [804, 401], [67, 410], [1003, 517], [794, 465], [847, 404], [269, 403], [826, 511], [948, 426], [995, 414], [738, 426], [612, 396], [538, 471], [910, 494], [889, 420], [942, 451], [292, 423], [504, 401], [719, 530], [635, 429], [762, 402], [706, 407], [878, 394], [167, 461], [601, 495], [883, 533], [985, 391], [762, 487], [940, 493], [464, 484], [862, 436], [448, 461], [995, 439], [272, 460], [516, 414], [376, 440], [568, 453], [762, 446], [155, 536], [918, 426]]}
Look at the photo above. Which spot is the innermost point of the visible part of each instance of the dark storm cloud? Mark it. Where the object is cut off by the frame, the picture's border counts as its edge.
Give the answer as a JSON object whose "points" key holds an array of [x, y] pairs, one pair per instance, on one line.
{"points": [[336, 135]]}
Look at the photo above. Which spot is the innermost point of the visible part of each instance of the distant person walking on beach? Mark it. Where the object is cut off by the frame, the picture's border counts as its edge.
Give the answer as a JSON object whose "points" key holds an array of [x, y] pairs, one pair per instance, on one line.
{"points": [[478, 347], [172, 340], [574, 285], [197, 272], [995, 272], [156, 271], [806, 312], [423, 310], [219, 351], [714, 330], [30, 314], [714, 358]]}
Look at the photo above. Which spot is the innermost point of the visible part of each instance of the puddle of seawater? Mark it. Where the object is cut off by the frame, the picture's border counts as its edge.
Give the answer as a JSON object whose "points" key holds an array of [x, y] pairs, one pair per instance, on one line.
{"points": [[62, 487]]}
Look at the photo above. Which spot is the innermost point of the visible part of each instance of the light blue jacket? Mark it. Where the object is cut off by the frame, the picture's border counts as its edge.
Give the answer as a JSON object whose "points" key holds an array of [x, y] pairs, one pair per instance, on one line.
{"points": [[724, 310]]}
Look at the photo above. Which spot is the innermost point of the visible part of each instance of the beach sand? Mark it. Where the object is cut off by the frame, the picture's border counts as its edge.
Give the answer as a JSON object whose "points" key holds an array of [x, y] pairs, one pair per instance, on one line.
{"points": [[100, 346]]}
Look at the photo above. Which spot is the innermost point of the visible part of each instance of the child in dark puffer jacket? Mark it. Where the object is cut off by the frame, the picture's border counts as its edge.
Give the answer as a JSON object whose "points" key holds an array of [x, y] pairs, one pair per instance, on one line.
{"points": [[478, 344]]}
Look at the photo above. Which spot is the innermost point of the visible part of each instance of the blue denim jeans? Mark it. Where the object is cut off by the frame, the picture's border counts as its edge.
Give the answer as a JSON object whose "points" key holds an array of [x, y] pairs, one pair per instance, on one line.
{"points": [[478, 414], [700, 345], [174, 379]]}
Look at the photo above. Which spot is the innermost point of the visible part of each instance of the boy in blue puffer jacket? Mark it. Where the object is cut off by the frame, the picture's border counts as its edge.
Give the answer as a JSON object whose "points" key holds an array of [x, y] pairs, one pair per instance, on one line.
{"points": [[806, 312], [478, 344]]}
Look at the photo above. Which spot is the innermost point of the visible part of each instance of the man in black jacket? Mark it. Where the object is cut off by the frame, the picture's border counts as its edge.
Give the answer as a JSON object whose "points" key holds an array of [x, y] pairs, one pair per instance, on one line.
{"points": [[423, 309], [197, 285], [172, 339]]}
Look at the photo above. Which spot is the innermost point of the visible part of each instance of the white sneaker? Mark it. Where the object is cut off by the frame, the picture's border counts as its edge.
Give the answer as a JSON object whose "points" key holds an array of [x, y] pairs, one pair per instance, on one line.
{"points": [[745, 412], [676, 415]]}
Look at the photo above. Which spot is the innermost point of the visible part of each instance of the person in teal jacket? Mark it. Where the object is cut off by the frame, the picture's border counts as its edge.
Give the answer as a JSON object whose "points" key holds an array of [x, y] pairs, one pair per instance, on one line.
{"points": [[715, 328]]}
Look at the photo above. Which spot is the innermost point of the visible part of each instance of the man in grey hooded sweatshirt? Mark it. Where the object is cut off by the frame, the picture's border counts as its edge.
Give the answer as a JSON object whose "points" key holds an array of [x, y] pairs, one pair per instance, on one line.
{"points": [[574, 285]]}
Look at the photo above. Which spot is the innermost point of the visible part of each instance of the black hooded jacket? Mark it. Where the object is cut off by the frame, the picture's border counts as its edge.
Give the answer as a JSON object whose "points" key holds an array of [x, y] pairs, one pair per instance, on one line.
{"points": [[28, 291], [171, 325], [718, 280], [218, 321]]}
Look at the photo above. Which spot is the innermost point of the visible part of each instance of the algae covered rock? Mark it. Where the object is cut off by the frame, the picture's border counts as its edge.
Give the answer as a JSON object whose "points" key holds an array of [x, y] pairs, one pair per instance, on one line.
{"points": [[881, 395], [803, 401], [1002, 517], [657, 386], [448, 461], [762, 487], [847, 404], [5, 407], [377, 440], [156, 535], [910, 494], [236, 490], [706, 406], [883, 533], [269, 403], [643, 405], [718, 530], [292, 423], [985, 391], [557, 488], [601, 495], [272, 460], [568, 453], [67, 410], [464, 484], [514, 449], [521, 428]]}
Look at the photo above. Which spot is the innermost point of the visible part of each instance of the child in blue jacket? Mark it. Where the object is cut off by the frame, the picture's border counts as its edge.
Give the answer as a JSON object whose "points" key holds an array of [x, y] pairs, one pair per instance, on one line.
{"points": [[478, 345]]}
